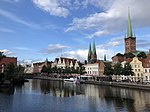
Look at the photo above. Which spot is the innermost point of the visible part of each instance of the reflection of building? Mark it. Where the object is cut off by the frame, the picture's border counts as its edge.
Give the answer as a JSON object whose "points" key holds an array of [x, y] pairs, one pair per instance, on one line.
{"points": [[37, 67], [62, 62], [5, 61]]}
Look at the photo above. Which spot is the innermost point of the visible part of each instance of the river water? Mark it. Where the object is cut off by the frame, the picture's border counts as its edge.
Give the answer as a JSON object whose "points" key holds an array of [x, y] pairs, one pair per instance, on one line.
{"points": [[54, 96]]}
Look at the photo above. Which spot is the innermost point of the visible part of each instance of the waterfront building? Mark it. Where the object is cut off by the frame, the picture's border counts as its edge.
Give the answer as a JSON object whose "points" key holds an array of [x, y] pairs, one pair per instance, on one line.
{"points": [[37, 67], [62, 62], [137, 69], [28, 69], [5, 61], [146, 65]]}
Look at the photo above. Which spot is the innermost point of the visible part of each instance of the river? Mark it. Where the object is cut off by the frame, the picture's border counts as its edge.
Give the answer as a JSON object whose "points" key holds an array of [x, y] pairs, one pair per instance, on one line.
{"points": [[54, 96]]}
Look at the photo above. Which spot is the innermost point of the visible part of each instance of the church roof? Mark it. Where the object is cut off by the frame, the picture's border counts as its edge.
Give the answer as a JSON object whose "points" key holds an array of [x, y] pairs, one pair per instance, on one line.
{"points": [[129, 32]]}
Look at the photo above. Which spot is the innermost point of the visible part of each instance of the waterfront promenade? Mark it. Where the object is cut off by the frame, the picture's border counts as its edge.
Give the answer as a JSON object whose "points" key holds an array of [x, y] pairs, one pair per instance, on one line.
{"points": [[104, 83]]}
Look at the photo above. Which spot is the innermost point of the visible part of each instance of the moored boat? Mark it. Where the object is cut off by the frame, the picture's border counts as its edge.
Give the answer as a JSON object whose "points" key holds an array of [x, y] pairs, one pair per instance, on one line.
{"points": [[72, 79]]}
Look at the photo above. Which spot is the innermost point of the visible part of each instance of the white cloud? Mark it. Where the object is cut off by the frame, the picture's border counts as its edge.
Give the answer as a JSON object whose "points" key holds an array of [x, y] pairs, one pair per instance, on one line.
{"points": [[54, 48], [22, 48], [82, 54], [114, 18], [6, 30], [54, 7], [15, 18], [6, 52], [11, 1], [114, 42]]}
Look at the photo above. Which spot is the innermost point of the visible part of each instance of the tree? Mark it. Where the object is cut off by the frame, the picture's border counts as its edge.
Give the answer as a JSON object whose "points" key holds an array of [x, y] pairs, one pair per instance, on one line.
{"points": [[82, 70], [44, 69], [127, 70], [108, 69], [129, 55], [118, 69], [10, 71], [119, 54], [19, 71], [142, 55], [2, 55]]}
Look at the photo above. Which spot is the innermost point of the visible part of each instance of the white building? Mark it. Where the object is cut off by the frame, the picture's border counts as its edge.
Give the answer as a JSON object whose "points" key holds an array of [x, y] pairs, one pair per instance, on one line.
{"points": [[92, 69], [62, 62]]}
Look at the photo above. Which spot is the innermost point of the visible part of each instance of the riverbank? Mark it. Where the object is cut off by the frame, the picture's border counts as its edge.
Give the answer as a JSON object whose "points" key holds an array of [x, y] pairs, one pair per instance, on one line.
{"points": [[104, 83], [121, 84]]}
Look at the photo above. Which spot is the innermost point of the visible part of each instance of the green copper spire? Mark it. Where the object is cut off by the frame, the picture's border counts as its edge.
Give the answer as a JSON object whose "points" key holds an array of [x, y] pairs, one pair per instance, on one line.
{"points": [[89, 53], [129, 32], [105, 57], [94, 48]]}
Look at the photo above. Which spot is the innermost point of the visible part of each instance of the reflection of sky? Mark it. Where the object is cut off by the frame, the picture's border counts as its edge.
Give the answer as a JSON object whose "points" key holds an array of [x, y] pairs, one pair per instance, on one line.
{"points": [[42, 96]]}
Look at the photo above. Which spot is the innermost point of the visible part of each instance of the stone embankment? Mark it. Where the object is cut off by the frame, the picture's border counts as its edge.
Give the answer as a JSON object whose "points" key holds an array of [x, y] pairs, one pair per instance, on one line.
{"points": [[121, 84], [104, 83]]}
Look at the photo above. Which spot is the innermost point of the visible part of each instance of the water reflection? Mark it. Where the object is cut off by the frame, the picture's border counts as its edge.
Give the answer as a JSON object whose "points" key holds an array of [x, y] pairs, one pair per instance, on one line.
{"points": [[82, 97], [60, 89]]}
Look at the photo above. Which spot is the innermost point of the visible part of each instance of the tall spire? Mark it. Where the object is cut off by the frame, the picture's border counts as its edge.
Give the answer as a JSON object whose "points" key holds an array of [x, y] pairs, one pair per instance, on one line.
{"points": [[89, 53], [104, 57], [94, 48], [129, 32]]}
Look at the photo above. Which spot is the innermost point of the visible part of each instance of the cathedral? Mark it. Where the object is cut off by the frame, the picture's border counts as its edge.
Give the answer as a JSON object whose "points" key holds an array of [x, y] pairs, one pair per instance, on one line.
{"points": [[92, 56]]}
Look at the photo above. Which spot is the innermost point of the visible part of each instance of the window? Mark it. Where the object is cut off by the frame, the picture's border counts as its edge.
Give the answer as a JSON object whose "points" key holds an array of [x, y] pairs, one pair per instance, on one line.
{"points": [[135, 66], [145, 70], [136, 70], [139, 70]]}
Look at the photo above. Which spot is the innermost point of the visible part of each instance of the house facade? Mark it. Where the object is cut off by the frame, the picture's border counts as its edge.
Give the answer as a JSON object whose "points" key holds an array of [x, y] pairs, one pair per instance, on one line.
{"points": [[63, 63], [138, 69], [5, 61]]}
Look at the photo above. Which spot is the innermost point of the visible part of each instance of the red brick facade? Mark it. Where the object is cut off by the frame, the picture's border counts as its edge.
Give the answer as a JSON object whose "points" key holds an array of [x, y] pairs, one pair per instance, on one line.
{"points": [[130, 44], [6, 60]]}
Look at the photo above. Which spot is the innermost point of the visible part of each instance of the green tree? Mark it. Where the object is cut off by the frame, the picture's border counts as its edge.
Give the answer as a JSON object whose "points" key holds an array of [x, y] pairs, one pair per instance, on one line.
{"points": [[19, 71], [119, 54], [82, 70], [142, 55], [127, 70], [10, 71], [118, 69], [44, 69], [129, 55], [108, 69]]}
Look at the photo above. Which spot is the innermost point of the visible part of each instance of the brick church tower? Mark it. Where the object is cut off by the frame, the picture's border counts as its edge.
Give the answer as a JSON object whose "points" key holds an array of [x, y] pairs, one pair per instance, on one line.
{"points": [[92, 56], [130, 40]]}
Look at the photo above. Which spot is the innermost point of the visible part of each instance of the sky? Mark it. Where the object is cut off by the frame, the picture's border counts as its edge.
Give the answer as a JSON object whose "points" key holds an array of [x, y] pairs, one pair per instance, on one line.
{"points": [[33, 30]]}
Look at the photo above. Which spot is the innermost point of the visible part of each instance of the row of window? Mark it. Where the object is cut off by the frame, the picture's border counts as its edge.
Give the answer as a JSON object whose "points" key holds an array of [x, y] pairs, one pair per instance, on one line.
{"points": [[92, 72], [137, 70], [147, 70]]}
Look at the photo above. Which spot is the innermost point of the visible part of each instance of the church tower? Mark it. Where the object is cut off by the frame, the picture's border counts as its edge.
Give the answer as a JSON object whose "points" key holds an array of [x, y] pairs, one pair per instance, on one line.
{"points": [[89, 53], [130, 40], [92, 56]]}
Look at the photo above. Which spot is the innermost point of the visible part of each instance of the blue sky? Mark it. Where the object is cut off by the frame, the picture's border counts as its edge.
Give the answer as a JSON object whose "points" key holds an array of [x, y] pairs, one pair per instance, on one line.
{"points": [[34, 30]]}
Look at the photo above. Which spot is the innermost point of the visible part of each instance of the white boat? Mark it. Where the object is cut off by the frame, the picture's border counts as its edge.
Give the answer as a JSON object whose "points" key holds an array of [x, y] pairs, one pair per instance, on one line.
{"points": [[73, 80]]}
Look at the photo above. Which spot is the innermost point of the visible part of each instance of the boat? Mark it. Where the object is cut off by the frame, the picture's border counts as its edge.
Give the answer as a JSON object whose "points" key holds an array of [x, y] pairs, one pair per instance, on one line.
{"points": [[72, 79]]}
